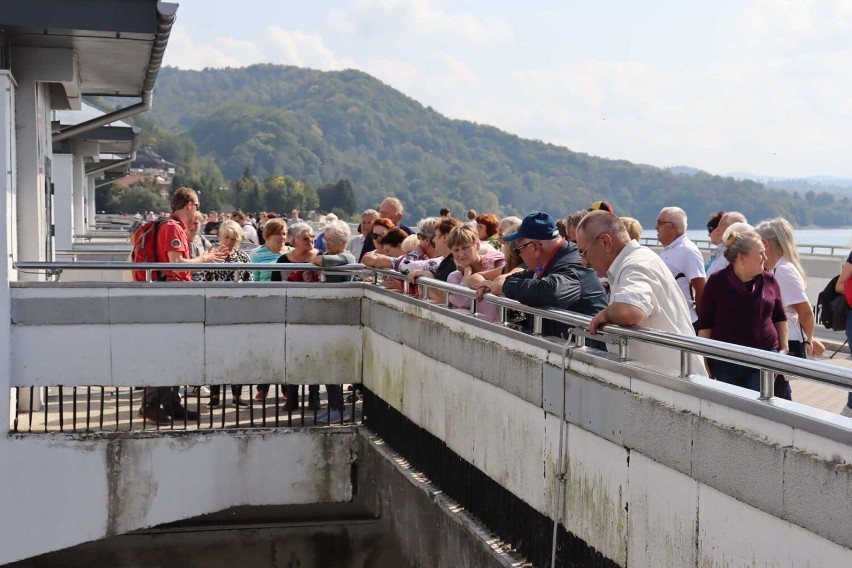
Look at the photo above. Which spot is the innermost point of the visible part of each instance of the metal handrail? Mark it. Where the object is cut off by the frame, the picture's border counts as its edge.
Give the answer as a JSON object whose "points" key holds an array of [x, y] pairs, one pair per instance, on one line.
{"points": [[54, 269], [769, 362], [706, 245], [756, 358]]}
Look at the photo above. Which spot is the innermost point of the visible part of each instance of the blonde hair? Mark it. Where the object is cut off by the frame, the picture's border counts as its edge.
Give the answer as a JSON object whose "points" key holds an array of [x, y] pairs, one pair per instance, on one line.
{"points": [[463, 235], [780, 231], [634, 228], [232, 227], [410, 243], [740, 240]]}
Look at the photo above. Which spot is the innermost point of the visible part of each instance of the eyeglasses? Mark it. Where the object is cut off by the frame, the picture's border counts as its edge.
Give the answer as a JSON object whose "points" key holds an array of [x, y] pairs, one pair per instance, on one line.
{"points": [[663, 223], [196, 203], [376, 236], [517, 250], [585, 251]]}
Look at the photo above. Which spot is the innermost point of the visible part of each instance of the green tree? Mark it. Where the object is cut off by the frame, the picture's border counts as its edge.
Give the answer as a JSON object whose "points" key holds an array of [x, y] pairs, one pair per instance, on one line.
{"points": [[339, 195]]}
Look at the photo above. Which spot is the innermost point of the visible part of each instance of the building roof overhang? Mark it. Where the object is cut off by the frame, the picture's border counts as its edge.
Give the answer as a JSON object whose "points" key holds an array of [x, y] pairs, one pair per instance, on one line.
{"points": [[118, 44]]}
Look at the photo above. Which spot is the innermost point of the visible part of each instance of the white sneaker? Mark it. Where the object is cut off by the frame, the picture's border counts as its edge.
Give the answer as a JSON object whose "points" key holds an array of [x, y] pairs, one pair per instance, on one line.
{"points": [[202, 391]]}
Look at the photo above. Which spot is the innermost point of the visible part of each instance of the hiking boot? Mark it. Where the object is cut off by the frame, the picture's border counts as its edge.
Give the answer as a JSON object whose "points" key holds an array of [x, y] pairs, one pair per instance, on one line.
{"points": [[151, 413], [181, 413], [214, 402]]}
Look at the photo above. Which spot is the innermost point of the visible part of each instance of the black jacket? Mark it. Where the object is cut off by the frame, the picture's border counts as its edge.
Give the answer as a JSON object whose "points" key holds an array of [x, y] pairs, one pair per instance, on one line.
{"points": [[565, 284]]}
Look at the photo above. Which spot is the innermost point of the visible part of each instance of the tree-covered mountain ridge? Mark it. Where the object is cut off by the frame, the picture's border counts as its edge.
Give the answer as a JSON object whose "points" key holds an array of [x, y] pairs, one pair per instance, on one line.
{"points": [[323, 126]]}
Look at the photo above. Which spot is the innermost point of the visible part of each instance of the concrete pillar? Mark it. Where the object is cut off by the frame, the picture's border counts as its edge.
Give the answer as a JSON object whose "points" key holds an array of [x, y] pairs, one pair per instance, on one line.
{"points": [[33, 69], [90, 205], [63, 205], [7, 233], [79, 197]]}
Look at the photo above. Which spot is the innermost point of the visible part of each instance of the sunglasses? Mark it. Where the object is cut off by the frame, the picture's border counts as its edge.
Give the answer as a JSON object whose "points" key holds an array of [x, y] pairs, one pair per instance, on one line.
{"points": [[517, 250], [376, 236]]}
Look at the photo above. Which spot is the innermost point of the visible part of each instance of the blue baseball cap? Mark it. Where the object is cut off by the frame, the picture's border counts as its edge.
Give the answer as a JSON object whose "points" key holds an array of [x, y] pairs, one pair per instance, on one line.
{"points": [[536, 226]]}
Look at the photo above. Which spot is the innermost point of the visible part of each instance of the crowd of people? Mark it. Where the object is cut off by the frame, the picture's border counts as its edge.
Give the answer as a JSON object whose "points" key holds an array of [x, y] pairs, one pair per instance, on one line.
{"points": [[751, 292]]}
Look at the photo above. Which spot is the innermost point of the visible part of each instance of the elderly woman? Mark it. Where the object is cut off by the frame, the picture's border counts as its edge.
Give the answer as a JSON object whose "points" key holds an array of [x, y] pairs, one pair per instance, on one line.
{"points": [[715, 235], [783, 259], [274, 236], [336, 236], [302, 237], [465, 245], [230, 236], [487, 226], [742, 304]]}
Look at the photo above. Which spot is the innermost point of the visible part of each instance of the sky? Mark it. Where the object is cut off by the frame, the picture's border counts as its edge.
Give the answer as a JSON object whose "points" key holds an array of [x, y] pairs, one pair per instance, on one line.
{"points": [[757, 86]]}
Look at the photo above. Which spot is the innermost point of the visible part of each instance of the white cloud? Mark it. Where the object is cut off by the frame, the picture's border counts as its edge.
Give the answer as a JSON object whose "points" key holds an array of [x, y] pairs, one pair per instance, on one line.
{"points": [[276, 45], [299, 48], [418, 18]]}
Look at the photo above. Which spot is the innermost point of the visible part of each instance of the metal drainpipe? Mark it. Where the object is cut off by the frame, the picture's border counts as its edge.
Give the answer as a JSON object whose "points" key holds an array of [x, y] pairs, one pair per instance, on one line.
{"points": [[108, 118], [560, 475]]}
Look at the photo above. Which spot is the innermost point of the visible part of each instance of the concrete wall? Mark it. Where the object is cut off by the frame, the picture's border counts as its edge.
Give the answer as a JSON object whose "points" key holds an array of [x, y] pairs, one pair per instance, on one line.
{"points": [[660, 471], [63, 491]]}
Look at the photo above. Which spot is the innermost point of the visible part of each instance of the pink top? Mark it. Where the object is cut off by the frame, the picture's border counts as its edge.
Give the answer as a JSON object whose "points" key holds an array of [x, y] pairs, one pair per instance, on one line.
{"points": [[485, 310]]}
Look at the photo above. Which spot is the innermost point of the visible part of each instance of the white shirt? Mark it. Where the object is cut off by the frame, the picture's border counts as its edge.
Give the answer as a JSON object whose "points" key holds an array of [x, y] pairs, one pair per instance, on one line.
{"points": [[356, 245], [792, 292], [250, 234], [683, 257], [719, 261], [639, 277]]}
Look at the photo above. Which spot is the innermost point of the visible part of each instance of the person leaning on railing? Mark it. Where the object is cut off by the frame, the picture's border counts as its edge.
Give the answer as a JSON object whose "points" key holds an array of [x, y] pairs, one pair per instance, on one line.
{"points": [[336, 235], [643, 291], [843, 281], [742, 305], [555, 276]]}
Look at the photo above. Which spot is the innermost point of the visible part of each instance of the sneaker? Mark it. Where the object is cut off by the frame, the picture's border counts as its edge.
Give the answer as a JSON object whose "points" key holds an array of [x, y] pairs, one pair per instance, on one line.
{"points": [[354, 397], [261, 395], [335, 416], [290, 405], [202, 391], [239, 402], [181, 413], [847, 411], [153, 414], [214, 402]]}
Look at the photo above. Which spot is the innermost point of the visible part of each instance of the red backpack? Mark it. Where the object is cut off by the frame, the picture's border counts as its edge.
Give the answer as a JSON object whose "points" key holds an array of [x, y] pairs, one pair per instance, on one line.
{"points": [[145, 249]]}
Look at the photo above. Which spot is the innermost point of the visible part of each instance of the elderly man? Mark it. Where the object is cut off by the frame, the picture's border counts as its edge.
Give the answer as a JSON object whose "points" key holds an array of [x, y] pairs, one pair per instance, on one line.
{"points": [[682, 257], [392, 209], [555, 276], [728, 219], [642, 289], [356, 243]]}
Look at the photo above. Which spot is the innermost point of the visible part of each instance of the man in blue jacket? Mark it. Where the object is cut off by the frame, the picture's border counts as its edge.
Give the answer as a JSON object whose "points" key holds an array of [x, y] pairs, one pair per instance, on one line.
{"points": [[555, 276]]}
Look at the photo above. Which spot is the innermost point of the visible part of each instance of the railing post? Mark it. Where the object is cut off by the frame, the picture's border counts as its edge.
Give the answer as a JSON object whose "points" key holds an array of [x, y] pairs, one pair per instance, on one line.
{"points": [[623, 349], [148, 275], [579, 338], [423, 291], [406, 287], [537, 325], [501, 314], [685, 364], [322, 276], [473, 307], [767, 384]]}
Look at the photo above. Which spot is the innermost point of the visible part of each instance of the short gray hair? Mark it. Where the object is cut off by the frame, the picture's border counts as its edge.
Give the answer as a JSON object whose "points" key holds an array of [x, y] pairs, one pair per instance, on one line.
{"points": [[676, 216], [339, 229], [233, 227], [426, 227], [296, 230], [739, 239], [599, 222]]}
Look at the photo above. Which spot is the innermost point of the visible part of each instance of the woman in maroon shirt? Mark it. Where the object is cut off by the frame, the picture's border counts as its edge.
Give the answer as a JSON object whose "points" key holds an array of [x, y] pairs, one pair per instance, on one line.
{"points": [[742, 305]]}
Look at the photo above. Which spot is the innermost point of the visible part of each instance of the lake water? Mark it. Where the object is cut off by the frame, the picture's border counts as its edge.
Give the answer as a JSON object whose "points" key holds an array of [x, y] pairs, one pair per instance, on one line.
{"points": [[824, 237]]}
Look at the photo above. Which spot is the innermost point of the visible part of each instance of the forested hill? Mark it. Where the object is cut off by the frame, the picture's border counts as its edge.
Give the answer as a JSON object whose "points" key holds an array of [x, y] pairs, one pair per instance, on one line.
{"points": [[319, 127]]}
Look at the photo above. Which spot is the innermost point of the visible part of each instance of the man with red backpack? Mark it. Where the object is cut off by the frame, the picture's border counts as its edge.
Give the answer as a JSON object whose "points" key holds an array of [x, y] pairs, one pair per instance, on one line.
{"points": [[169, 243]]}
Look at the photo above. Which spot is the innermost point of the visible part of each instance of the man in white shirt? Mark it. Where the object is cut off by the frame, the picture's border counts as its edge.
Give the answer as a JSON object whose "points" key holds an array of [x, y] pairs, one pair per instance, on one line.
{"points": [[643, 291], [682, 257], [719, 261], [356, 243]]}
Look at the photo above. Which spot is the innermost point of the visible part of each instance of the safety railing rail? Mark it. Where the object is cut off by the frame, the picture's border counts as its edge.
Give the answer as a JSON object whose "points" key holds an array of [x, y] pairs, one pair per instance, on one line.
{"points": [[55, 269], [803, 248], [768, 362]]}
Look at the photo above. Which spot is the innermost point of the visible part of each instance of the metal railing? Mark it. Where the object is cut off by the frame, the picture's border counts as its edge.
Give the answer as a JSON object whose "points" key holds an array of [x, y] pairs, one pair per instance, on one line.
{"points": [[768, 362], [706, 245], [86, 409]]}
